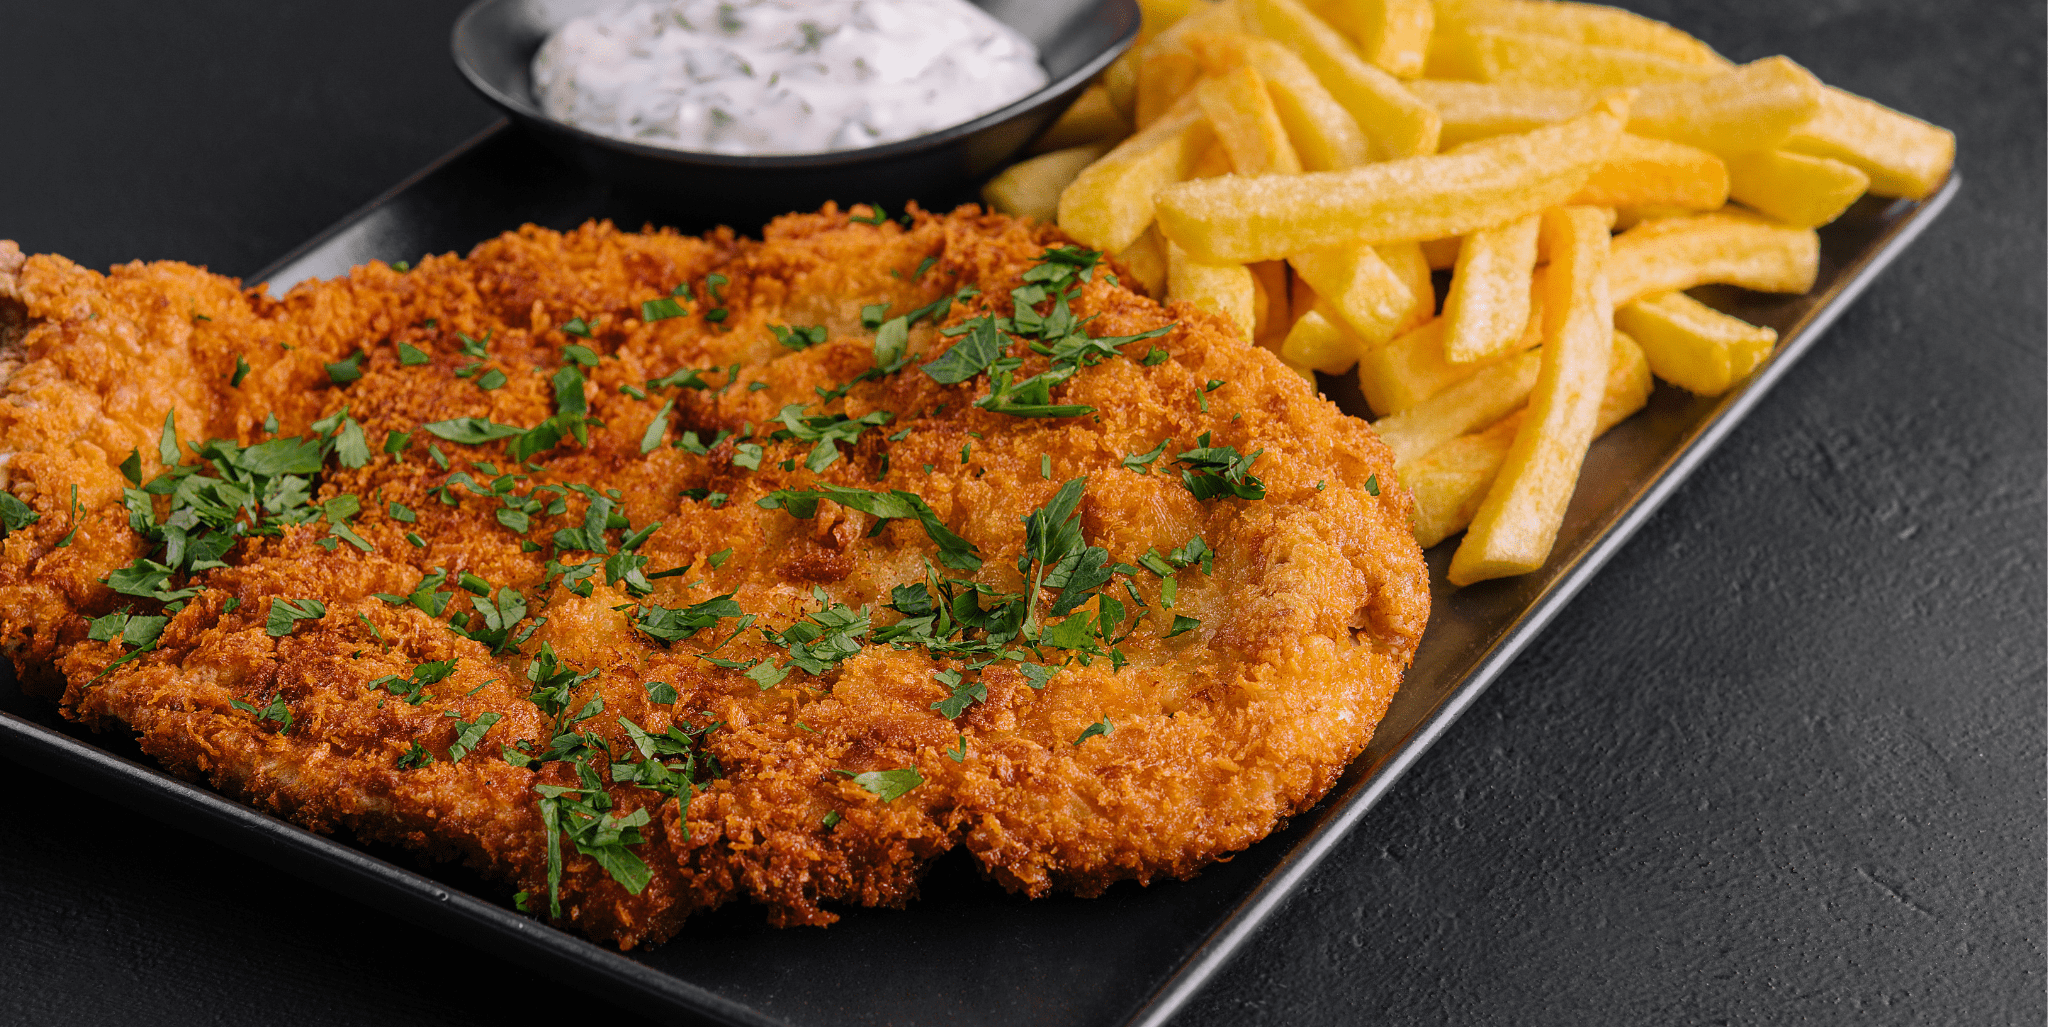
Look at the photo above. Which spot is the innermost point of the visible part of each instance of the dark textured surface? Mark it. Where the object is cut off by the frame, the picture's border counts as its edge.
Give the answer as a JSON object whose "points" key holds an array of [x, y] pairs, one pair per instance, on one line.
{"points": [[1781, 763]]}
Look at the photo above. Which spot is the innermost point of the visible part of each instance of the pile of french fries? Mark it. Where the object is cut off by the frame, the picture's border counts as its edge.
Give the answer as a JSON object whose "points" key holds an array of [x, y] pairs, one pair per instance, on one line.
{"points": [[1302, 166]]}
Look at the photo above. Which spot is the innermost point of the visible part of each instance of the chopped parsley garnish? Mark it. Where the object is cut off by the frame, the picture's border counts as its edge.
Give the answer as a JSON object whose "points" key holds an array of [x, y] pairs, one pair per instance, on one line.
{"points": [[579, 354], [954, 552], [469, 733], [1100, 727], [660, 308], [472, 431], [875, 215], [274, 711], [491, 379], [412, 688], [1156, 357], [285, 615], [346, 371], [415, 757], [958, 755], [578, 327], [1142, 462], [411, 356], [965, 693], [665, 624], [1372, 485], [241, 371], [1213, 471], [128, 629], [16, 515], [886, 785], [798, 338]]}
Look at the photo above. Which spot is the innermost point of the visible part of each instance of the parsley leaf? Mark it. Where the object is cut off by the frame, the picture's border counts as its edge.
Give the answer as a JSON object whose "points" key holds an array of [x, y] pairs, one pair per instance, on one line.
{"points": [[285, 614], [971, 355], [886, 785], [1100, 727], [472, 431], [1214, 471], [954, 552], [666, 624]]}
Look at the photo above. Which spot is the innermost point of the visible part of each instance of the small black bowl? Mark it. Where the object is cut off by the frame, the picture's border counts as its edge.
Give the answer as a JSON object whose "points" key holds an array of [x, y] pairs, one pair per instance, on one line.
{"points": [[494, 42]]}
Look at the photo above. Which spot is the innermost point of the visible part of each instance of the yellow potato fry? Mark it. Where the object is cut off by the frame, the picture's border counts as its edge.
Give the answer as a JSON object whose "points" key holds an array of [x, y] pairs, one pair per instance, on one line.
{"points": [[1801, 191], [1393, 35], [1091, 118], [1451, 480], [1168, 67], [1903, 155], [1405, 259], [1645, 172], [1227, 289], [1324, 133], [1580, 23], [1120, 85], [1146, 260], [1215, 160], [1108, 206], [1272, 313], [1395, 123], [1442, 254], [1752, 107], [1487, 309], [1478, 110], [1156, 16], [1726, 246], [1404, 373], [1246, 124], [1486, 183], [1031, 188], [1527, 58], [1356, 284], [1629, 217], [1319, 340], [1517, 522], [1492, 393], [1301, 297], [1693, 346]]}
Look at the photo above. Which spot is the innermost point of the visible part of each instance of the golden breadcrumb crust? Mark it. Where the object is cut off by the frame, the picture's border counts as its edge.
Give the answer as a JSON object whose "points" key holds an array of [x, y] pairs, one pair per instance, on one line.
{"points": [[1313, 611]]}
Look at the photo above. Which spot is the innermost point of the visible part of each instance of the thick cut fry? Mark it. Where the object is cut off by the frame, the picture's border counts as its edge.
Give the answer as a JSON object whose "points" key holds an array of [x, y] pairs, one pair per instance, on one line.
{"points": [[1226, 289], [1214, 161], [1752, 107], [1246, 124], [1319, 340], [1405, 259], [1357, 285], [1450, 482], [1801, 191], [1156, 16], [1393, 35], [1146, 260], [1517, 523], [1525, 58], [1488, 306], [1490, 394], [1091, 118], [1409, 370], [1645, 172], [1480, 110], [1580, 23], [1031, 188], [1395, 122], [1168, 67], [1109, 204], [1726, 246], [1274, 317], [1487, 183], [1120, 84], [1903, 155], [1693, 346], [1324, 133]]}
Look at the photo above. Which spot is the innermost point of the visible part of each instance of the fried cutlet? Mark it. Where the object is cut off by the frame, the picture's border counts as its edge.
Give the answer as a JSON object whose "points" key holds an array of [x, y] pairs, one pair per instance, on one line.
{"points": [[633, 570]]}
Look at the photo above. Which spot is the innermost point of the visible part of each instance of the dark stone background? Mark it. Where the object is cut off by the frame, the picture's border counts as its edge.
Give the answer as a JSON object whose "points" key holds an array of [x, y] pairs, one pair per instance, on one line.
{"points": [[1782, 762]]}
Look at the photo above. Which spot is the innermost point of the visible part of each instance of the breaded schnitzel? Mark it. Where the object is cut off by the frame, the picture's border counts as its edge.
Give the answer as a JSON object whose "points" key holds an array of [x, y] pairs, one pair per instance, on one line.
{"points": [[644, 571]]}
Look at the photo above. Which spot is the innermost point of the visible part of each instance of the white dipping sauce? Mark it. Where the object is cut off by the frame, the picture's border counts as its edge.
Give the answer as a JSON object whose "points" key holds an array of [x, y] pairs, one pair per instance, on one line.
{"points": [[782, 76]]}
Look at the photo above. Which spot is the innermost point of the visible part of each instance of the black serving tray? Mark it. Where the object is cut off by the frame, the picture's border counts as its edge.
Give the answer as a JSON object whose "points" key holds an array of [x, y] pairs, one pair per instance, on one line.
{"points": [[966, 952]]}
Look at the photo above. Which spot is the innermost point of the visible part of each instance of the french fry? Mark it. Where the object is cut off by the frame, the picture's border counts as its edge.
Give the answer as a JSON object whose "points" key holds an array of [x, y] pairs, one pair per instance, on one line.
{"points": [[1246, 124], [1405, 259], [1324, 133], [1168, 67], [1120, 85], [1493, 392], [1301, 297], [1227, 289], [1726, 246], [1146, 260], [1356, 285], [1755, 106], [1589, 24], [1108, 205], [1031, 188], [1451, 480], [1214, 161], [1392, 35], [1091, 118], [1272, 313], [1156, 16], [1798, 190], [1493, 55], [1903, 155], [1492, 181], [1488, 305], [1409, 370], [1645, 172], [1319, 340], [1693, 346], [1480, 110], [1442, 254], [1395, 122], [1517, 522]]}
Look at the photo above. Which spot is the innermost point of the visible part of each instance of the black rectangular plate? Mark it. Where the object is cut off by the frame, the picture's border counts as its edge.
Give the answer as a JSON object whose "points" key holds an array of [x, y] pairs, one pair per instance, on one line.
{"points": [[965, 952]]}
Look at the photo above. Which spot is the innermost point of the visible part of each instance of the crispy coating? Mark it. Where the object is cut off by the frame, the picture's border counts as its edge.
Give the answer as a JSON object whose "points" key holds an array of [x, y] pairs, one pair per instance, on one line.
{"points": [[1313, 609]]}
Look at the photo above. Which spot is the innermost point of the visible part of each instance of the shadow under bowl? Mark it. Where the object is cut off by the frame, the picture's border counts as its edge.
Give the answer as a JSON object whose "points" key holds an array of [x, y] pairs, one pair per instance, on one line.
{"points": [[494, 42]]}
